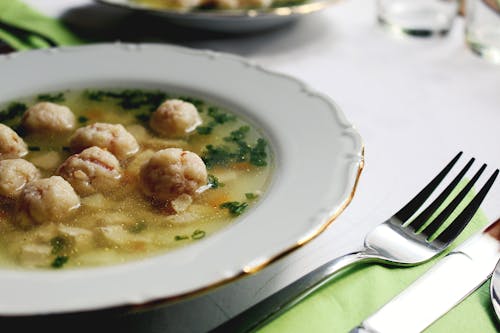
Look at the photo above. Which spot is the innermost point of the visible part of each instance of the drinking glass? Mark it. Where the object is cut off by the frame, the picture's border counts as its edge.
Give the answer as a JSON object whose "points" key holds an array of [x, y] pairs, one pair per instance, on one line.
{"points": [[482, 28], [418, 17]]}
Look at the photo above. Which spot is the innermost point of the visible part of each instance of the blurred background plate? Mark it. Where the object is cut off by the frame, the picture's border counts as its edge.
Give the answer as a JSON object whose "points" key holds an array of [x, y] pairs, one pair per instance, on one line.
{"points": [[228, 21]]}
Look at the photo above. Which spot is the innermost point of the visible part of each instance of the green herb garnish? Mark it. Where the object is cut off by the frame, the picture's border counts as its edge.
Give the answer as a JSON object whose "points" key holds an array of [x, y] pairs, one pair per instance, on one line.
{"points": [[239, 151], [198, 234], [251, 196], [235, 208], [82, 119], [258, 153], [13, 110], [138, 227], [142, 117], [214, 182], [196, 102], [59, 261], [129, 99], [205, 130], [217, 156], [287, 3], [54, 98], [95, 95], [58, 244], [220, 117], [238, 135]]}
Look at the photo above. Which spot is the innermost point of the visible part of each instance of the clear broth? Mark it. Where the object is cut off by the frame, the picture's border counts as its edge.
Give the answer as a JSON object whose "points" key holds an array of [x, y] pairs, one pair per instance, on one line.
{"points": [[125, 225]]}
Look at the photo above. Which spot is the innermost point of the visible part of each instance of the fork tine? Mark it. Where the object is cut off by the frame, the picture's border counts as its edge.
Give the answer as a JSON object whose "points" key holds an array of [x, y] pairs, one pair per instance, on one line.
{"points": [[420, 220], [441, 218], [411, 207], [456, 227]]}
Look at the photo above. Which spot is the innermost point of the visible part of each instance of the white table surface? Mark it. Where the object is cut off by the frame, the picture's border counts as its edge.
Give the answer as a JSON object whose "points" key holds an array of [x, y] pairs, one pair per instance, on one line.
{"points": [[416, 103]]}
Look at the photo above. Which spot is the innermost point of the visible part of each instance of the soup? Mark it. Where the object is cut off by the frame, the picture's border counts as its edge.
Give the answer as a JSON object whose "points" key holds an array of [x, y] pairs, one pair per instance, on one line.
{"points": [[95, 192]]}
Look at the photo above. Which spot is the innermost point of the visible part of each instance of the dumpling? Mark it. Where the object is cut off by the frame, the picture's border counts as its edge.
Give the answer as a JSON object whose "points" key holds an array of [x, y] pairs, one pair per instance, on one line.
{"points": [[175, 118], [114, 138], [49, 117], [46, 200], [11, 144], [93, 170], [172, 172], [14, 175]]}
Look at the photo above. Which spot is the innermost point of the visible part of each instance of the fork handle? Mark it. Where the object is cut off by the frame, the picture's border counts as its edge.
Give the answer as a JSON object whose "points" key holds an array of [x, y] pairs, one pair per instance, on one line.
{"points": [[276, 304]]}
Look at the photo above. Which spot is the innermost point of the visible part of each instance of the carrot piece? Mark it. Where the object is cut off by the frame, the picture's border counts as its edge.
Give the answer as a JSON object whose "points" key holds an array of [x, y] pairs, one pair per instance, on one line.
{"points": [[244, 166]]}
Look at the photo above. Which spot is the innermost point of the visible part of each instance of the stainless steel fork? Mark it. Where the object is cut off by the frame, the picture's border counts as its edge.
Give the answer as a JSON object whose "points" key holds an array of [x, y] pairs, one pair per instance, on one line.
{"points": [[398, 241]]}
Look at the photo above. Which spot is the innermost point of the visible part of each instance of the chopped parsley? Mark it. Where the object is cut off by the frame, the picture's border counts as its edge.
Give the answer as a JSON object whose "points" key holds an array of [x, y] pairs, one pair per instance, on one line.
{"points": [[129, 99], [251, 196], [95, 95], [205, 130], [34, 148], [238, 135], [138, 227], [54, 98], [82, 119], [220, 117], [196, 102], [217, 156], [198, 234], [142, 117], [235, 208], [214, 182], [237, 150], [59, 261], [13, 110], [287, 3], [58, 244], [258, 153]]}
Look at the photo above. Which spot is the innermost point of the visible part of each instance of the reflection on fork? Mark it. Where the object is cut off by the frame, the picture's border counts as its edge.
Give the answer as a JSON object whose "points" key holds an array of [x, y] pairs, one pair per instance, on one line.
{"points": [[400, 240], [410, 243]]}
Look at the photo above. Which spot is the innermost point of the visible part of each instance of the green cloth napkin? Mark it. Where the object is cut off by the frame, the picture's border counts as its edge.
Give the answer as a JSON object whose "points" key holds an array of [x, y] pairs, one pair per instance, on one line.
{"points": [[23, 28], [353, 296]]}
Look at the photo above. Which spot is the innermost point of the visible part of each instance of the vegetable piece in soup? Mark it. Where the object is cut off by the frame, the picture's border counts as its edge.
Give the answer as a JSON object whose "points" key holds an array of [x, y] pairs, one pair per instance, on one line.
{"points": [[140, 173]]}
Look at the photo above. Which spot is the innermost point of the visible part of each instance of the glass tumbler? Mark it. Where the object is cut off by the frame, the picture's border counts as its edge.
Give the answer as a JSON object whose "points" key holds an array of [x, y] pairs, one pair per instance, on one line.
{"points": [[418, 17], [482, 28]]}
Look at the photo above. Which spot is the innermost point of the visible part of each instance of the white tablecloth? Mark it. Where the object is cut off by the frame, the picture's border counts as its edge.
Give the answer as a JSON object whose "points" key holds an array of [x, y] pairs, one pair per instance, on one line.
{"points": [[416, 103]]}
